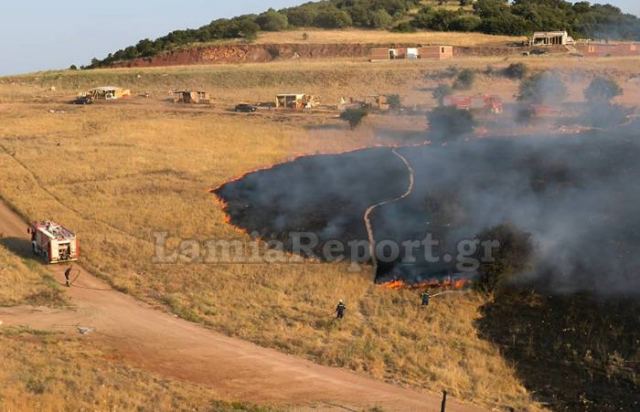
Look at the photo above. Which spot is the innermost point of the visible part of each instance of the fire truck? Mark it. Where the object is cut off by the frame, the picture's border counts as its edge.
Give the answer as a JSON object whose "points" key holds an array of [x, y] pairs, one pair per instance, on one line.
{"points": [[53, 242]]}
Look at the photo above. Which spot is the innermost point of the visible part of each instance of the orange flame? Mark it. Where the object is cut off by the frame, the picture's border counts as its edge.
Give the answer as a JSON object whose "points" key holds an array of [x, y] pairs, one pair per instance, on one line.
{"points": [[446, 283]]}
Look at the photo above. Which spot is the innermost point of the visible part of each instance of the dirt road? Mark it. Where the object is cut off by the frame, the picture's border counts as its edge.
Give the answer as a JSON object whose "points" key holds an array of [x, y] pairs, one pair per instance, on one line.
{"points": [[157, 341]]}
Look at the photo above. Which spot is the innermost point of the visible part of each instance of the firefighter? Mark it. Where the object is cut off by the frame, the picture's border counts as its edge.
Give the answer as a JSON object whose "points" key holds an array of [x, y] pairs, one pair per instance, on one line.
{"points": [[340, 310], [67, 276], [425, 298]]}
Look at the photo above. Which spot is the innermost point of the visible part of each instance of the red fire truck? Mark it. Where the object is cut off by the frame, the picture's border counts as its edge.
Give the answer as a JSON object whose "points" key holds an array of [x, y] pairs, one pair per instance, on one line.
{"points": [[53, 242]]}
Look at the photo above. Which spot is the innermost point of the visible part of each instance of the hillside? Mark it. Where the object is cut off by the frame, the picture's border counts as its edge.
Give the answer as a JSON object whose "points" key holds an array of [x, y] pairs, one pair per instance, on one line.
{"points": [[485, 16]]}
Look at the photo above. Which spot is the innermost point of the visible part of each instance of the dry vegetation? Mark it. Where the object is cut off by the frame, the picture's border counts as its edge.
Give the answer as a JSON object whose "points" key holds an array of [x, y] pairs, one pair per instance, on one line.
{"points": [[118, 172], [377, 36], [43, 371]]}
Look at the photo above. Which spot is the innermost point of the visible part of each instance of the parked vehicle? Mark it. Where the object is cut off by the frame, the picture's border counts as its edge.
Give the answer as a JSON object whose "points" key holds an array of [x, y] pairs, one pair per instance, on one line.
{"points": [[246, 108], [53, 242]]}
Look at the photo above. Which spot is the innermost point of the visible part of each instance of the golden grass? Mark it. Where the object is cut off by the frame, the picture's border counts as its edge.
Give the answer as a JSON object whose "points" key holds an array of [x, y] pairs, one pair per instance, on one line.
{"points": [[48, 372], [117, 172], [379, 36], [26, 282]]}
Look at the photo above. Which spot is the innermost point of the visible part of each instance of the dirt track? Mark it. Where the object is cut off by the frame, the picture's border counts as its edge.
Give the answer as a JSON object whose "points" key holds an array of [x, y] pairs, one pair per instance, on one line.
{"points": [[154, 340]]}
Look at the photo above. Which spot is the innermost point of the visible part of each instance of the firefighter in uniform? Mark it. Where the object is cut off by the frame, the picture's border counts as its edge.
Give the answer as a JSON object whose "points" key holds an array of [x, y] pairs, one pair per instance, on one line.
{"points": [[425, 298], [340, 310], [67, 276]]}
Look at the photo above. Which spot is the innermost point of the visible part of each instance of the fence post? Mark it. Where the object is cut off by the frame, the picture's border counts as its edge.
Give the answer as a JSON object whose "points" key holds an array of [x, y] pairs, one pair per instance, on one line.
{"points": [[443, 408]]}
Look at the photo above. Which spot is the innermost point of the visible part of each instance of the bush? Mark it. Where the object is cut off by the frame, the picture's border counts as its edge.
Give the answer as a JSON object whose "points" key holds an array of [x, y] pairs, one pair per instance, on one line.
{"points": [[441, 92], [449, 123], [404, 27], [354, 116], [302, 16], [602, 89], [333, 18], [543, 88], [511, 257], [271, 20], [394, 101], [516, 71], [465, 23], [465, 80], [381, 19]]}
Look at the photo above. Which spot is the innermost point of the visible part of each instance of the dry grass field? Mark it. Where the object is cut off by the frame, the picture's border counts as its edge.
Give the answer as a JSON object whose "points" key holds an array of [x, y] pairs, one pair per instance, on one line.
{"points": [[118, 172], [377, 36]]}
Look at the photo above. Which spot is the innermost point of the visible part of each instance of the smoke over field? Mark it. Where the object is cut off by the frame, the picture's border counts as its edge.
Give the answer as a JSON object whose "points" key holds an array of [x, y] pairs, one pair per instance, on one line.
{"points": [[576, 196]]}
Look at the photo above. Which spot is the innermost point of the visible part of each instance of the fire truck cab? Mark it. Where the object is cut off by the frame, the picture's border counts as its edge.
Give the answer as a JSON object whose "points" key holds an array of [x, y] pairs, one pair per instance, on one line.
{"points": [[53, 242]]}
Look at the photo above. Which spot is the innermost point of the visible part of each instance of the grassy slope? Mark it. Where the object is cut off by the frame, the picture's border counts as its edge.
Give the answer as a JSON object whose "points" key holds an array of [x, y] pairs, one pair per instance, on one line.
{"points": [[47, 371], [349, 36], [127, 169]]}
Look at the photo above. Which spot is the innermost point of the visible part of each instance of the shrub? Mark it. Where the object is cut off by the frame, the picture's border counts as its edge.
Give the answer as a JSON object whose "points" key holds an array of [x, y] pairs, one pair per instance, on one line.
{"points": [[449, 123], [441, 92], [394, 101], [354, 116], [465, 23], [543, 88], [404, 27], [602, 89], [516, 71], [465, 80], [511, 256]]}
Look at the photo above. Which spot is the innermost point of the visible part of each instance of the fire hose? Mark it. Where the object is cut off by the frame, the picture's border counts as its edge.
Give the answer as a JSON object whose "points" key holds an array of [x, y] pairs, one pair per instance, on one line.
{"points": [[372, 208]]}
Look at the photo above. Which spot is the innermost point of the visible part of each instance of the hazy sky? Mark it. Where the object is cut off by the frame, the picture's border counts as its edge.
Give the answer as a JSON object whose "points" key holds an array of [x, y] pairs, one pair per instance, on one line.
{"points": [[45, 34]]}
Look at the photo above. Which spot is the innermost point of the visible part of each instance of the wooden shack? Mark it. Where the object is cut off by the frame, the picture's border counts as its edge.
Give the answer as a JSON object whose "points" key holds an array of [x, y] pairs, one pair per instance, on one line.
{"points": [[191, 97]]}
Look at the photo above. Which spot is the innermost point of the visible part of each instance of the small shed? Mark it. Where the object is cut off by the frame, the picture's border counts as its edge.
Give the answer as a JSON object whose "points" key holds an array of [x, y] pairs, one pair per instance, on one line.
{"points": [[191, 97], [551, 38], [108, 93], [436, 52], [295, 101]]}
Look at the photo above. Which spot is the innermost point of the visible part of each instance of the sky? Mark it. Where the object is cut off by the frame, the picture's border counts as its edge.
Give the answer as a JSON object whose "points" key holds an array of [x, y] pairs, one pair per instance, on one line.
{"points": [[44, 34]]}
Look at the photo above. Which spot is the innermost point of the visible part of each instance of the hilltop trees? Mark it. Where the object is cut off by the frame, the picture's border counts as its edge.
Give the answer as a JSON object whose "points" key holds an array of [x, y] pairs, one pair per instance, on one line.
{"points": [[488, 16], [271, 20]]}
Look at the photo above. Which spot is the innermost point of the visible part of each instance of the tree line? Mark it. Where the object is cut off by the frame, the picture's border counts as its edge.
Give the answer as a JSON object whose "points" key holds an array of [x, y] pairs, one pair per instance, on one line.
{"points": [[520, 17]]}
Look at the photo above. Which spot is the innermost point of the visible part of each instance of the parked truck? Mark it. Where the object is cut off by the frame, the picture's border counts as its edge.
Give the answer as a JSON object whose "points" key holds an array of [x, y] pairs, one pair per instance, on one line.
{"points": [[53, 242]]}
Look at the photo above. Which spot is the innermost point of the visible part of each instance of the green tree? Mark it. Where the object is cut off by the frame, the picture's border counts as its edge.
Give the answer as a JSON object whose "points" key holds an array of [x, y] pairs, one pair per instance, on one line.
{"points": [[394, 101], [380, 19], [302, 16], [516, 71], [511, 256], [272, 20], [449, 124], [354, 116], [442, 91], [602, 89], [332, 18], [543, 88], [465, 80]]}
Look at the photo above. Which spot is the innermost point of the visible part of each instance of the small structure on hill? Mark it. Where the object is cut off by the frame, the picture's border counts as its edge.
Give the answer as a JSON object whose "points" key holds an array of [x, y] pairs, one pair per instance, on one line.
{"points": [[551, 38], [487, 103], [605, 49], [295, 101], [191, 97], [412, 53], [108, 93]]}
